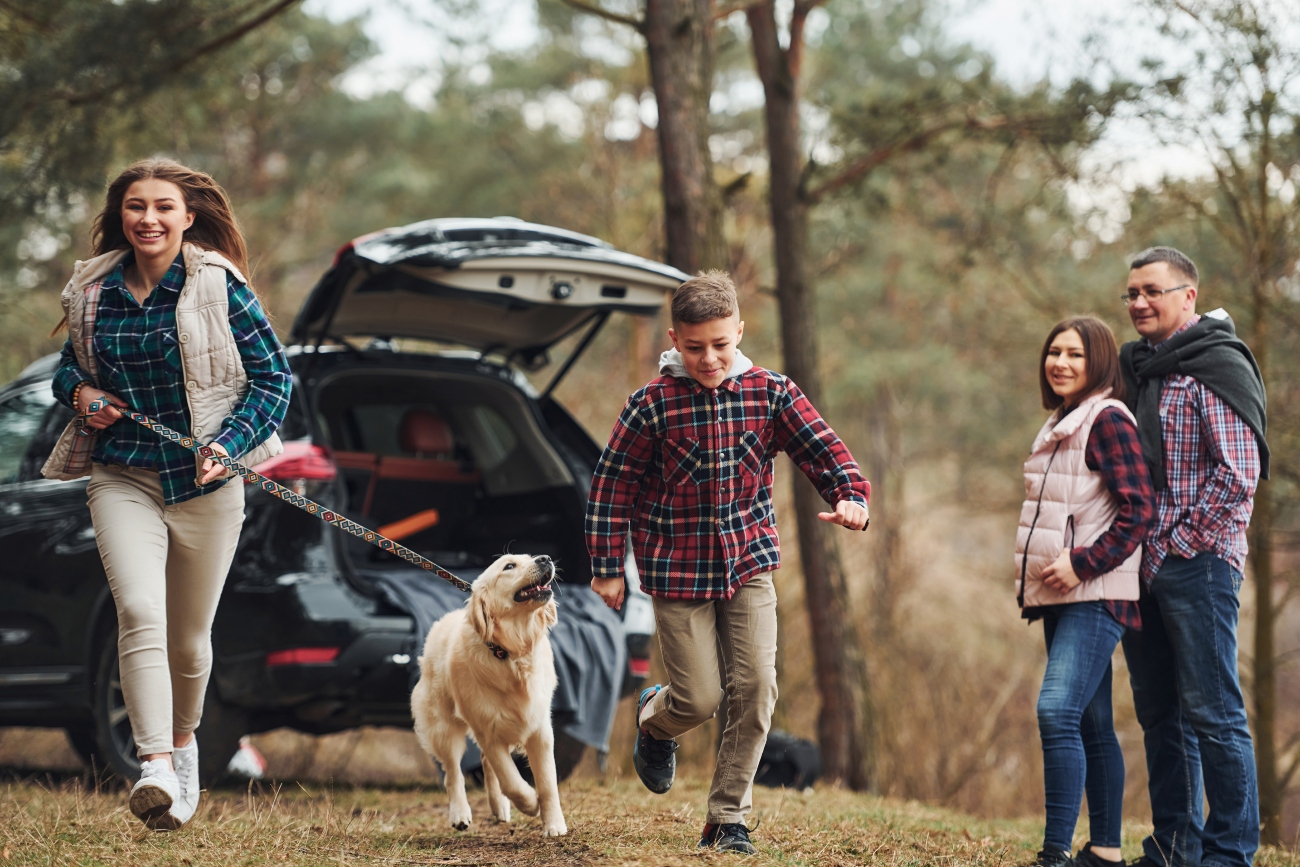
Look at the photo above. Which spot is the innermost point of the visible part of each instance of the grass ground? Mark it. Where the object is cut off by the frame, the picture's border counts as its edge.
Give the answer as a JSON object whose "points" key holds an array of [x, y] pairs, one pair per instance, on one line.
{"points": [[50, 822]]}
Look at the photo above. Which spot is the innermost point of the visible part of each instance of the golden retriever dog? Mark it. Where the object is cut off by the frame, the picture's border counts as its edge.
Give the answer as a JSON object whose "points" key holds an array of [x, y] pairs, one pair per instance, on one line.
{"points": [[487, 670]]}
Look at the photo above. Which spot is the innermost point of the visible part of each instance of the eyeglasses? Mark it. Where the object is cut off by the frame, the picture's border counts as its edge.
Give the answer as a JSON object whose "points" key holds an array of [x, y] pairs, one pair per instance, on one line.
{"points": [[1151, 295]]}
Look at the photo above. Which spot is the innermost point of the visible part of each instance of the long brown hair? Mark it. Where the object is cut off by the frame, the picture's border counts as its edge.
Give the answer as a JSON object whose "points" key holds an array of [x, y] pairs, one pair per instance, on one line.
{"points": [[214, 227], [1100, 355]]}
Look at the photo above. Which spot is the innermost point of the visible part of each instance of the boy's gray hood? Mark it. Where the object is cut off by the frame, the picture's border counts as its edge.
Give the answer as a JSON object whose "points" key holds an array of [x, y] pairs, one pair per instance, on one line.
{"points": [[670, 364]]}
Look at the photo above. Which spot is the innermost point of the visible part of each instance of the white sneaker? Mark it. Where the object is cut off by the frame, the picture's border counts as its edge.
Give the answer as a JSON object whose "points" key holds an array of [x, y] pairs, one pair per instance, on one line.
{"points": [[153, 795], [248, 761], [186, 760]]}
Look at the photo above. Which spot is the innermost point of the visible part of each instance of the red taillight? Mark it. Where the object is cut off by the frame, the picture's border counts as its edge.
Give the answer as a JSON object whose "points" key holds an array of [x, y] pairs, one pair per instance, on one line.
{"points": [[352, 245], [302, 656], [299, 460], [638, 667]]}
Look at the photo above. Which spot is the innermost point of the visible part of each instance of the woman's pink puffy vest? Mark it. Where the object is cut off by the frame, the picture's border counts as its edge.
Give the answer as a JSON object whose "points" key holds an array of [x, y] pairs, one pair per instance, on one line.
{"points": [[1067, 506]]}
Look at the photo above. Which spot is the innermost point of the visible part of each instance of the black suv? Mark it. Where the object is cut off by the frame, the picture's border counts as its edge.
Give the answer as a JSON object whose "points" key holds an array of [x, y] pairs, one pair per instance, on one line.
{"points": [[450, 449]]}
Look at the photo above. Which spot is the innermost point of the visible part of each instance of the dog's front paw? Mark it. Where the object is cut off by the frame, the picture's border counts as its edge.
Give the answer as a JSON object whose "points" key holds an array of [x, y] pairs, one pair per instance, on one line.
{"points": [[460, 816], [555, 828], [500, 808]]}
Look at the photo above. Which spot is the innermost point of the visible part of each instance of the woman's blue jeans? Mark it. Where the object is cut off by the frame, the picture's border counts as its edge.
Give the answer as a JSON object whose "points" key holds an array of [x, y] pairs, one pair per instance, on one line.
{"points": [[1080, 750]]}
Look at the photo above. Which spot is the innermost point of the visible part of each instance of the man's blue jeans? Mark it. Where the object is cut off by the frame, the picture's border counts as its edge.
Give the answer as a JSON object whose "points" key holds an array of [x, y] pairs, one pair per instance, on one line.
{"points": [[1187, 694], [1080, 749]]}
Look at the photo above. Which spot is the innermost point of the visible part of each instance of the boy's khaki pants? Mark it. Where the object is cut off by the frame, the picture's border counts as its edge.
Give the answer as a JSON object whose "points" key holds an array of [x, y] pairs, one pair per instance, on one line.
{"points": [[166, 566], [692, 636]]}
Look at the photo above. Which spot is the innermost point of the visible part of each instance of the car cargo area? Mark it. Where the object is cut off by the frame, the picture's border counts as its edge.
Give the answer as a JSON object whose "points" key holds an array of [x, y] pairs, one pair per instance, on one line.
{"points": [[453, 466]]}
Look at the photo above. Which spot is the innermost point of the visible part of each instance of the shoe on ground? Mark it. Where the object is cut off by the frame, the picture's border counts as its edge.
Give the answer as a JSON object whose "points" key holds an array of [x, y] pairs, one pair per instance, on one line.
{"points": [[731, 837], [1053, 858], [653, 759], [248, 761], [1087, 858], [186, 761], [154, 794]]}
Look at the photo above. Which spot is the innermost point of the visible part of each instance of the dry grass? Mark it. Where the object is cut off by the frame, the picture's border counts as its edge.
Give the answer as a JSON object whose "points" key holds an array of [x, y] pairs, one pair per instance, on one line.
{"points": [[50, 822]]}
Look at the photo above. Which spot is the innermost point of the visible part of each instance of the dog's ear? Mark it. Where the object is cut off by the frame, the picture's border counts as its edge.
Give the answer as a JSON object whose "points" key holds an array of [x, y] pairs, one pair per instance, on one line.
{"points": [[479, 617]]}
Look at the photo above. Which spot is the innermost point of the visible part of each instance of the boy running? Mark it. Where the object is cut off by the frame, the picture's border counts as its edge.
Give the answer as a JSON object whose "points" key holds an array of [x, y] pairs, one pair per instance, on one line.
{"points": [[688, 471]]}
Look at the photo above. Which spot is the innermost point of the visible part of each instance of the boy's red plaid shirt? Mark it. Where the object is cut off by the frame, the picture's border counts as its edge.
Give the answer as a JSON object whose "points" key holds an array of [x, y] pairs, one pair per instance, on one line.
{"points": [[689, 471]]}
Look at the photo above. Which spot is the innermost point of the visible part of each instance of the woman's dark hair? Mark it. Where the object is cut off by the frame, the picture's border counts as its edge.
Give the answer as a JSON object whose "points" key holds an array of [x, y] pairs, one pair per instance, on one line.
{"points": [[1099, 353], [214, 227]]}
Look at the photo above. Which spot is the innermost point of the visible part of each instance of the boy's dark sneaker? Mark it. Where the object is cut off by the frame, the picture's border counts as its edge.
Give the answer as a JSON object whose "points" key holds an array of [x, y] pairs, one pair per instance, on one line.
{"points": [[653, 759], [732, 837], [1087, 858], [1052, 858]]}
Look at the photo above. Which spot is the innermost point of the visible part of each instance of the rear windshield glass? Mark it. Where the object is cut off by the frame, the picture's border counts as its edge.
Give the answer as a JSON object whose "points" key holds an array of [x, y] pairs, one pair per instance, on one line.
{"points": [[483, 427]]}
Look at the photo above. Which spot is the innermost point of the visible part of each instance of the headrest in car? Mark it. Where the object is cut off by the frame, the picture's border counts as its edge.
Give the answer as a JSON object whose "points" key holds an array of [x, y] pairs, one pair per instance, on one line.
{"points": [[424, 433]]}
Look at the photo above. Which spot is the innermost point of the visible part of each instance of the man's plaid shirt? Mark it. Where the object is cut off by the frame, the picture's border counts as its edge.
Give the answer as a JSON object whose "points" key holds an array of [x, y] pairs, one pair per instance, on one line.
{"points": [[140, 362], [1212, 463], [689, 471]]}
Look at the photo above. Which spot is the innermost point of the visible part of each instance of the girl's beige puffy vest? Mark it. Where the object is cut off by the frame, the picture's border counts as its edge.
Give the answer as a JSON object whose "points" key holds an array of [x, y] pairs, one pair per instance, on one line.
{"points": [[1067, 506], [214, 375]]}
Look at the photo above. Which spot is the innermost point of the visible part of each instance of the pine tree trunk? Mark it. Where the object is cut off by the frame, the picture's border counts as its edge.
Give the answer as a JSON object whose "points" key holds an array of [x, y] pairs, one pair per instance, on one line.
{"points": [[1265, 670], [679, 41], [1265, 663], [837, 653]]}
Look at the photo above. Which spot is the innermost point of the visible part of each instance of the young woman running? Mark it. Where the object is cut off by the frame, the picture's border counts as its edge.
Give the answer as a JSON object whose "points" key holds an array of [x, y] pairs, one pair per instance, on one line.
{"points": [[1088, 504], [162, 320]]}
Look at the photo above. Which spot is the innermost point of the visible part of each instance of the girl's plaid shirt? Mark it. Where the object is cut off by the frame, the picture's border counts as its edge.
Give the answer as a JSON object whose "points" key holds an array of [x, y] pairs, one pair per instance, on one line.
{"points": [[140, 362], [689, 471]]}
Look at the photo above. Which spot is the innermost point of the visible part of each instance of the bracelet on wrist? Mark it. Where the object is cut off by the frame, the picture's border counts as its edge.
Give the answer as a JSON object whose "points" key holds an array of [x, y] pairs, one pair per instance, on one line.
{"points": [[76, 394]]}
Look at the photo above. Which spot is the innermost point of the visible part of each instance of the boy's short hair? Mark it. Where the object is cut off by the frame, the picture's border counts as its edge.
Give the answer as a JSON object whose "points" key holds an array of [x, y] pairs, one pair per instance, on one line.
{"points": [[707, 296]]}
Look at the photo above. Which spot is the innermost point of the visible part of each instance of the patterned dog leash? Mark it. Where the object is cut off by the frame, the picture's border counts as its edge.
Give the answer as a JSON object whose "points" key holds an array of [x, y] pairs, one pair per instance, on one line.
{"points": [[275, 489]]}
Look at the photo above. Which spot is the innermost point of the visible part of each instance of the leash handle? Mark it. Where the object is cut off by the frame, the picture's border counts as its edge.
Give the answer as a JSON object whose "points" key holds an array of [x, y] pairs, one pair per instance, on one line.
{"points": [[272, 487]]}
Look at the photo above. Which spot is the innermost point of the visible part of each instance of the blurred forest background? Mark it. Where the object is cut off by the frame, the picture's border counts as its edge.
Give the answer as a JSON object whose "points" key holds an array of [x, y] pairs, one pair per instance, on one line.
{"points": [[950, 217]]}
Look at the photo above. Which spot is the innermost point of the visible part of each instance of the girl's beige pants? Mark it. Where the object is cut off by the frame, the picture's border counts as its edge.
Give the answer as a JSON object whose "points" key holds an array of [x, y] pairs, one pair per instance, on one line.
{"points": [[166, 566]]}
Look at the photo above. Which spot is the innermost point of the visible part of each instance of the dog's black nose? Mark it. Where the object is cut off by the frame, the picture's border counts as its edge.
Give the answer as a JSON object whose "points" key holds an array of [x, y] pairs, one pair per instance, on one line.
{"points": [[542, 560]]}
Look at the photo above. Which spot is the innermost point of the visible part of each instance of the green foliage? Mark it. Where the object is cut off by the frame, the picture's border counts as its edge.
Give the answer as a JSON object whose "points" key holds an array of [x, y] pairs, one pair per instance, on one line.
{"points": [[309, 167], [951, 257], [70, 68]]}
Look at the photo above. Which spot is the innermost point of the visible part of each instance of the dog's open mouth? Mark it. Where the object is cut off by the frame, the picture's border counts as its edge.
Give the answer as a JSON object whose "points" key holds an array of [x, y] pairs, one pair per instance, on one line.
{"points": [[539, 589]]}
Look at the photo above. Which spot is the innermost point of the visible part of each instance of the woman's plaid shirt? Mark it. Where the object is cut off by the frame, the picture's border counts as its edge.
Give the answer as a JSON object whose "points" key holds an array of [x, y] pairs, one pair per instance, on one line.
{"points": [[688, 470], [140, 362]]}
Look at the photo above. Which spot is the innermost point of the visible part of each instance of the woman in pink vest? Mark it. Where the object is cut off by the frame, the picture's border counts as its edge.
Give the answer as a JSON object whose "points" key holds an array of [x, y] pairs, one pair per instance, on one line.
{"points": [[1088, 504]]}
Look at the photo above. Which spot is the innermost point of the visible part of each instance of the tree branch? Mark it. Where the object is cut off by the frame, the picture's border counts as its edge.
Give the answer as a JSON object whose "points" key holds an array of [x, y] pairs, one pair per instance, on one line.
{"points": [[803, 7], [1284, 779], [725, 9], [217, 44], [238, 33], [798, 18], [23, 15], [637, 24], [985, 214], [864, 165]]}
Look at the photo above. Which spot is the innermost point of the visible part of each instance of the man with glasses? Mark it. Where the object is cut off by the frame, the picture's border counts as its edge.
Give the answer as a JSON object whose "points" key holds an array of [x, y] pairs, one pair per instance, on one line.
{"points": [[1199, 401]]}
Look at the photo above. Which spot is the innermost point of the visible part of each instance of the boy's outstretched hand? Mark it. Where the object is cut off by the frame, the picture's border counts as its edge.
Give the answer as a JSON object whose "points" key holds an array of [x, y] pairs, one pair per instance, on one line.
{"points": [[848, 514], [609, 589]]}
